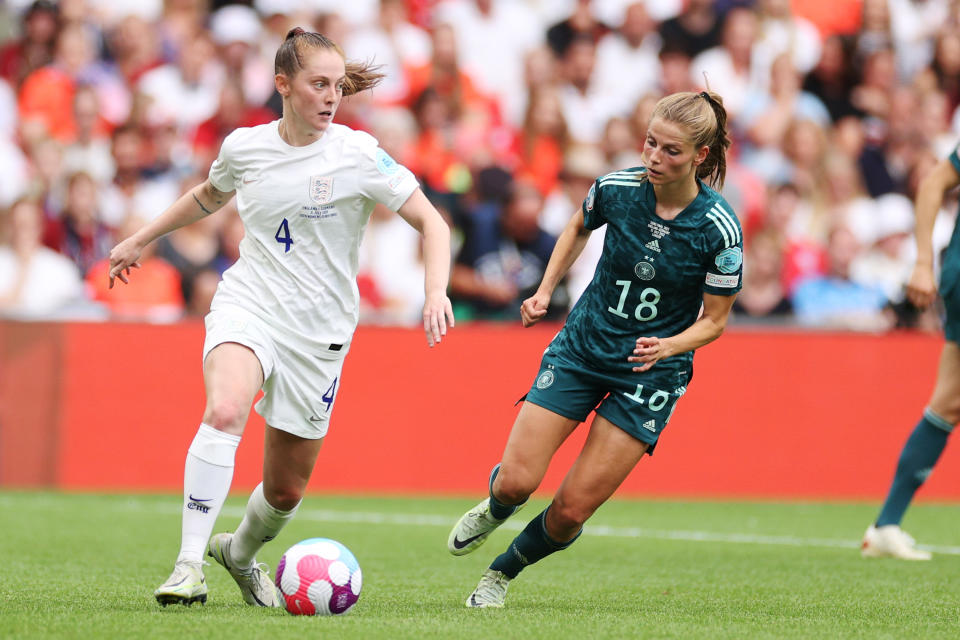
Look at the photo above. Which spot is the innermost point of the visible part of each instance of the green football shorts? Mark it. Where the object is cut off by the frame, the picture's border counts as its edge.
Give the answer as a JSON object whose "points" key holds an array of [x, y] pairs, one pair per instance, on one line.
{"points": [[950, 292], [639, 403]]}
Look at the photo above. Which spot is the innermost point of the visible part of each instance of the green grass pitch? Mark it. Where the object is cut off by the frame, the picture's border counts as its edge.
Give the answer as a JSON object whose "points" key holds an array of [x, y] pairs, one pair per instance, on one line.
{"points": [[85, 566]]}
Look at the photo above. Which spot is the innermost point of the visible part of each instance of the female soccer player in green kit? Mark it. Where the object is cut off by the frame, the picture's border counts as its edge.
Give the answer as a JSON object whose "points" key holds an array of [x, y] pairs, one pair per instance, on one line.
{"points": [[670, 270], [884, 538]]}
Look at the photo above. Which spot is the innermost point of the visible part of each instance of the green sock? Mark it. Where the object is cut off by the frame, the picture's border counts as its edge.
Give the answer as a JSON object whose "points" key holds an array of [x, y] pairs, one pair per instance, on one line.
{"points": [[919, 455], [533, 544]]}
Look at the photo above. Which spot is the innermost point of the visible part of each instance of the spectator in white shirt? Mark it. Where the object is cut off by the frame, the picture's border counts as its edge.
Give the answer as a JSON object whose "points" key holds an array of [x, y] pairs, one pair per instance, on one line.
{"points": [[35, 281], [635, 45]]}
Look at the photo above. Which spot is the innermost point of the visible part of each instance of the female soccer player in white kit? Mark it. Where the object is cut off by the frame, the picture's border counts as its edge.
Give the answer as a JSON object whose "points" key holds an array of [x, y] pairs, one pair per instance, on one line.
{"points": [[284, 314]]}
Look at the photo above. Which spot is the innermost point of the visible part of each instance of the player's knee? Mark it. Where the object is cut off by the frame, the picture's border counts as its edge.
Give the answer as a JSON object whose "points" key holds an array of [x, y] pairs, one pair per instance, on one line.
{"points": [[512, 487], [226, 415], [283, 498], [569, 515]]}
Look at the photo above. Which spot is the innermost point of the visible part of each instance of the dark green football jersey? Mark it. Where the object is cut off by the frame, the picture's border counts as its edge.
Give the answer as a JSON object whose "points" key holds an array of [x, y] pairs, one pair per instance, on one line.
{"points": [[951, 255], [652, 275], [950, 274]]}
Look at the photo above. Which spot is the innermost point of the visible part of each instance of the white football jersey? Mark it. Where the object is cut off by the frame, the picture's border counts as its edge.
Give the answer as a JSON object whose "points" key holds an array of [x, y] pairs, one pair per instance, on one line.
{"points": [[304, 210]]}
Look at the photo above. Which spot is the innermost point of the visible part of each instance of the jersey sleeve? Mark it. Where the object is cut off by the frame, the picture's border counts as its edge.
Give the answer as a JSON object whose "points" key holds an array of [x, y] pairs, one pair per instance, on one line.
{"points": [[724, 251], [592, 207], [222, 175], [383, 179]]}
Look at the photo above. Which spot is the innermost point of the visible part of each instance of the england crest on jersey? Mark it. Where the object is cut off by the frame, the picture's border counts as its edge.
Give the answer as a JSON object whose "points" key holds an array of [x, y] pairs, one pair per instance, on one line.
{"points": [[321, 189]]}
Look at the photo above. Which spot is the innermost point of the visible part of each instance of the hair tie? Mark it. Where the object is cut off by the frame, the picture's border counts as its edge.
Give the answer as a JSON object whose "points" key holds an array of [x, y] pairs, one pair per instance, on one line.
{"points": [[706, 96]]}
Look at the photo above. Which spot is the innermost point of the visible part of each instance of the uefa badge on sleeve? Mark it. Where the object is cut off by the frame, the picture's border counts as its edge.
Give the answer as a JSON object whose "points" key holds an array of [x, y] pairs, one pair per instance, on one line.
{"points": [[729, 260], [385, 164]]}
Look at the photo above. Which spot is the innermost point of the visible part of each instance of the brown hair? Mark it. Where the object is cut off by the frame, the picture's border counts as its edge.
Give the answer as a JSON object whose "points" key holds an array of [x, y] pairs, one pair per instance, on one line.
{"points": [[359, 75], [705, 118]]}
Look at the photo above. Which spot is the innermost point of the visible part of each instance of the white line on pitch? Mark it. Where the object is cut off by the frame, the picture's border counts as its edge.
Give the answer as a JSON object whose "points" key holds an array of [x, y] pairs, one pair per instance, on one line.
{"points": [[325, 515], [409, 519]]}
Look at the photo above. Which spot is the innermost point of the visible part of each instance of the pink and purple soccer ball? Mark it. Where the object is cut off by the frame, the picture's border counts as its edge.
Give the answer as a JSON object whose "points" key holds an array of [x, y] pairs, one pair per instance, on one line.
{"points": [[319, 576]]}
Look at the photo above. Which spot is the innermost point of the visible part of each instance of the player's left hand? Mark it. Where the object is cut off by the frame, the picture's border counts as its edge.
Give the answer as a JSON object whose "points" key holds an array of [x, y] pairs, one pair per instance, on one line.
{"points": [[534, 308], [648, 352], [437, 316]]}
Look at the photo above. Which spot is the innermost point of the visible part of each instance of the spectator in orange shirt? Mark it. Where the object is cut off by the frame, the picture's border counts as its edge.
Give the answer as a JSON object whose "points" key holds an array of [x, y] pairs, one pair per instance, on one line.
{"points": [[541, 144], [444, 76], [46, 96], [158, 300], [437, 162]]}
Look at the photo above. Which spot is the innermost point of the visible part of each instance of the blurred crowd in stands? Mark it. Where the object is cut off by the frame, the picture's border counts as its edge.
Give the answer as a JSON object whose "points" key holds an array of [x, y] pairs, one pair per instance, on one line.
{"points": [[506, 110]]}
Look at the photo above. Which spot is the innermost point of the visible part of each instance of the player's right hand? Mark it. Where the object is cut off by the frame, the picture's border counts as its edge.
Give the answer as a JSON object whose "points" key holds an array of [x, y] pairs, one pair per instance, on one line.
{"points": [[534, 308], [922, 287], [124, 257]]}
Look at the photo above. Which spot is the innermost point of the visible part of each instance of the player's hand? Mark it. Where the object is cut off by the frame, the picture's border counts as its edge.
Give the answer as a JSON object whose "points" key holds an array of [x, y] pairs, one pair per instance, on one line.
{"points": [[124, 257], [922, 287], [437, 316], [534, 309], [648, 352]]}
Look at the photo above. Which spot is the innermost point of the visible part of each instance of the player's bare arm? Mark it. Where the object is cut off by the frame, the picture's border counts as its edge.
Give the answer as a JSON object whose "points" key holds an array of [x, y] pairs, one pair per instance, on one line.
{"points": [[195, 204], [437, 309], [922, 287], [568, 248], [708, 327]]}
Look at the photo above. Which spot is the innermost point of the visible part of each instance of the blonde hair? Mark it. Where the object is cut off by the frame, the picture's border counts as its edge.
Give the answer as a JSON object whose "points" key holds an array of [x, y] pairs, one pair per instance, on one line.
{"points": [[705, 117], [359, 75]]}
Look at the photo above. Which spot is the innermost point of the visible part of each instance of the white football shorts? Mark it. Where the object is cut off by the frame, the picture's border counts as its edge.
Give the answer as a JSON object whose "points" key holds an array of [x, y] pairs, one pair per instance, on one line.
{"points": [[299, 385]]}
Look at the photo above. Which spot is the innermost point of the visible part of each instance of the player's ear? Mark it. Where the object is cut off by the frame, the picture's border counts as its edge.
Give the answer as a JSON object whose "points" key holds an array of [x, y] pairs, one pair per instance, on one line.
{"points": [[702, 154], [282, 83]]}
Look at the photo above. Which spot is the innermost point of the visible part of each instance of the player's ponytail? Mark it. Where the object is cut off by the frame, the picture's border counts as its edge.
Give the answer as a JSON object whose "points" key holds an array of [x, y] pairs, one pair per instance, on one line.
{"points": [[704, 115], [359, 75], [714, 168]]}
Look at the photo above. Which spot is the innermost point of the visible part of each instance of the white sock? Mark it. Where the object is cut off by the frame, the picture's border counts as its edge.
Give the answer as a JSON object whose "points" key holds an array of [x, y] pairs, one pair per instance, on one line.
{"points": [[207, 475], [261, 524]]}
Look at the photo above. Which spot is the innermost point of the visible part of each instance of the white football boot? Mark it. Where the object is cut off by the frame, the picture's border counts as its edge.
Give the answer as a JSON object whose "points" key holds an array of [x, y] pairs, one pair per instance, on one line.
{"points": [[255, 584], [890, 541], [185, 585], [490, 592], [473, 528]]}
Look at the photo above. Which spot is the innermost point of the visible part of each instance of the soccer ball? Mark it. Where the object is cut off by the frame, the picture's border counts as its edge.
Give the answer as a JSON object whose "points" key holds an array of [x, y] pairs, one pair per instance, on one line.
{"points": [[319, 576]]}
